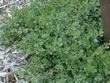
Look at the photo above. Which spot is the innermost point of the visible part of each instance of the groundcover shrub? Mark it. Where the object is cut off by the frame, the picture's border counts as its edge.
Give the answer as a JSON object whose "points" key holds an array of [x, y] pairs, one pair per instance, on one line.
{"points": [[60, 36]]}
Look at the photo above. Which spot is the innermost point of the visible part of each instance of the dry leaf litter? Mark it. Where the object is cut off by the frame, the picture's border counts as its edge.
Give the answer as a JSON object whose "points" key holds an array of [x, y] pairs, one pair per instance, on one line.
{"points": [[10, 61]]}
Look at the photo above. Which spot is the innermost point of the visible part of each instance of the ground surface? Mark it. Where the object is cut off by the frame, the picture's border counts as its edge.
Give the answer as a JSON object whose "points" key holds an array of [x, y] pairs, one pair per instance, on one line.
{"points": [[10, 60]]}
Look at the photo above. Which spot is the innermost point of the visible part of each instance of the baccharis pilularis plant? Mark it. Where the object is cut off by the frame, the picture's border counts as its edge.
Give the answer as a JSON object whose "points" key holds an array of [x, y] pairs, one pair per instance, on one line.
{"points": [[59, 35]]}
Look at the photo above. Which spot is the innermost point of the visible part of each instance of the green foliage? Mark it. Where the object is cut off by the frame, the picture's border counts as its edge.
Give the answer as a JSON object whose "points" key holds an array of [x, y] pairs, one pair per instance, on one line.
{"points": [[60, 36]]}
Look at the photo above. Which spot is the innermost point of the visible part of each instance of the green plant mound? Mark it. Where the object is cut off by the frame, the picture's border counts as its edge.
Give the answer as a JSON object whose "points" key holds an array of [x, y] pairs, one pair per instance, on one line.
{"points": [[60, 37]]}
